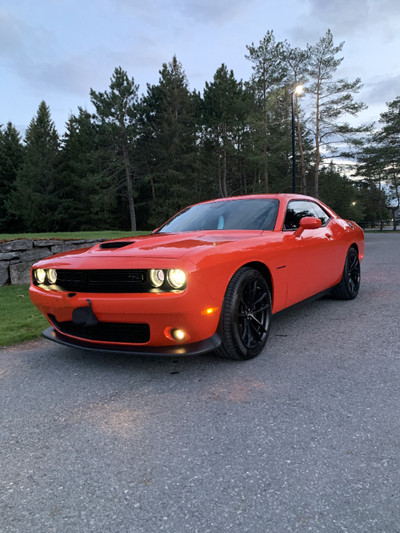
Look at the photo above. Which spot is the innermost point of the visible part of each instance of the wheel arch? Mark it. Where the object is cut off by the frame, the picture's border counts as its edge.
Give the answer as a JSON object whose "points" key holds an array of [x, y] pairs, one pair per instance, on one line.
{"points": [[245, 333], [355, 246], [265, 272]]}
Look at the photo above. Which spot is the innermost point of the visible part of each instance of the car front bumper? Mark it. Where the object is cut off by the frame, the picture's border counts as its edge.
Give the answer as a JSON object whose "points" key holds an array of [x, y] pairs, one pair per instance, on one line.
{"points": [[195, 348], [193, 312]]}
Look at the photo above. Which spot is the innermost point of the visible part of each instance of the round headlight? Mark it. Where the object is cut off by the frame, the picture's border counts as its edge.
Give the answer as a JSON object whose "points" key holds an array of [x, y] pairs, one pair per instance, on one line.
{"points": [[52, 275], [157, 277], [176, 278], [40, 275]]}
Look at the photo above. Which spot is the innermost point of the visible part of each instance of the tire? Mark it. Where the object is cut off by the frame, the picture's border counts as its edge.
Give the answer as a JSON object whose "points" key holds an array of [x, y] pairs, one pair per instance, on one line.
{"points": [[349, 285], [246, 315]]}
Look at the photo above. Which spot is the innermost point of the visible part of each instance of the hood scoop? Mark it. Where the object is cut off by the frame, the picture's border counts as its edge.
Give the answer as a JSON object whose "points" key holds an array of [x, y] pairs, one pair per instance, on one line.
{"points": [[113, 245]]}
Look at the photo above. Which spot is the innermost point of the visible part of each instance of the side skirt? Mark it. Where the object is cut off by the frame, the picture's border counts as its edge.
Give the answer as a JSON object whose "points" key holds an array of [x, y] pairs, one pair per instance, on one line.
{"points": [[311, 299]]}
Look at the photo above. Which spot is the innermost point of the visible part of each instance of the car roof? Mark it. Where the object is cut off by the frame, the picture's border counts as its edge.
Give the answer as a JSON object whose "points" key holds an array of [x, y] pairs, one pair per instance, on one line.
{"points": [[272, 196]]}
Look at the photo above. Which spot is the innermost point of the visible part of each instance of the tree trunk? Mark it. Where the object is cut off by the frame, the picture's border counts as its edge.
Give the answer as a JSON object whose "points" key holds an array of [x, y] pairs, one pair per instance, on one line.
{"points": [[317, 148], [129, 187], [316, 171], [301, 152], [396, 189], [224, 164], [266, 175], [224, 175], [380, 207]]}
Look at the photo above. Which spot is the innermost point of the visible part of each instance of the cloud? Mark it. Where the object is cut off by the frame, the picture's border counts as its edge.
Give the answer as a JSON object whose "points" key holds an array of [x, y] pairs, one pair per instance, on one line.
{"points": [[213, 11], [34, 58], [381, 89], [346, 17], [176, 12], [19, 42]]}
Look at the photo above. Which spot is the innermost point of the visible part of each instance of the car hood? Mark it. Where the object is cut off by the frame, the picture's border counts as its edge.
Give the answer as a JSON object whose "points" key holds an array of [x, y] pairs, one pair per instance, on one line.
{"points": [[168, 245]]}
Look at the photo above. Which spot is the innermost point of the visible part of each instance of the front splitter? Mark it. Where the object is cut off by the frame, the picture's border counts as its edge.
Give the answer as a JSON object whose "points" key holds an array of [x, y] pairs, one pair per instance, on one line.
{"points": [[195, 348]]}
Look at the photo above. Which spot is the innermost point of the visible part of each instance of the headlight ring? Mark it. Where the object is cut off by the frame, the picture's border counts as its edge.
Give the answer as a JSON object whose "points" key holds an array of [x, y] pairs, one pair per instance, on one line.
{"points": [[157, 277], [40, 275], [176, 278], [173, 278], [43, 276], [52, 276]]}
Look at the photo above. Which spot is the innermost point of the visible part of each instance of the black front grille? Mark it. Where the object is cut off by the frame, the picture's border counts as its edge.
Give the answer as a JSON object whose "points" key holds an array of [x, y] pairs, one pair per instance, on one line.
{"points": [[103, 281], [106, 331]]}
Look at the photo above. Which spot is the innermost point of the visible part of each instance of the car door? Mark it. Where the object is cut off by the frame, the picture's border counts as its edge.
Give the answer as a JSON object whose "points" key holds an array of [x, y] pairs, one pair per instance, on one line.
{"points": [[311, 255]]}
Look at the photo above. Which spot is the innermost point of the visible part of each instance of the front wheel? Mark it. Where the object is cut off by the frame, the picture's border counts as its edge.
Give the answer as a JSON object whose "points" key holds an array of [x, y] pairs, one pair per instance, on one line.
{"points": [[246, 315], [350, 283]]}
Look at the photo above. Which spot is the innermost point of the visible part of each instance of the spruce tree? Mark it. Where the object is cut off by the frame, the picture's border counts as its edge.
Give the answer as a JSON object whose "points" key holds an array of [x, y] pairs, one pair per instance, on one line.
{"points": [[379, 161], [269, 73], [389, 140], [85, 202], [11, 157], [35, 197], [116, 117], [226, 107], [169, 137]]}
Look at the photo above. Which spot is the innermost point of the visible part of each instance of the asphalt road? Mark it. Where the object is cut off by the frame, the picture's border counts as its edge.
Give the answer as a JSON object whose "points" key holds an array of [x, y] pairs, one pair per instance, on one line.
{"points": [[304, 438]]}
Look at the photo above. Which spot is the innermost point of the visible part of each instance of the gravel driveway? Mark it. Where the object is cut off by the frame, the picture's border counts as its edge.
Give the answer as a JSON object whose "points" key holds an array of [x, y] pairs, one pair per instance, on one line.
{"points": [[303, 438]]}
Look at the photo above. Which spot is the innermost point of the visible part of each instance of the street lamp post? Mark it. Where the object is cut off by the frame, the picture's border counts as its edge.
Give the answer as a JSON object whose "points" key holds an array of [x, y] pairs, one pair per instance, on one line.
{"points": [[297, 92]]}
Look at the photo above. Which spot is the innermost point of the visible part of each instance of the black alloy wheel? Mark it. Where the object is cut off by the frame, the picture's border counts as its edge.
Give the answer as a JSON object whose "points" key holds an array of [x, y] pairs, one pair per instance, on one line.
{"points": [[246, 315], [349, 285]]}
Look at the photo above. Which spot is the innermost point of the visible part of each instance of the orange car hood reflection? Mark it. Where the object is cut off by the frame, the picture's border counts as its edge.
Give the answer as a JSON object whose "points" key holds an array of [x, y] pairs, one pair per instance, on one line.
{"points": [[172, 245]]}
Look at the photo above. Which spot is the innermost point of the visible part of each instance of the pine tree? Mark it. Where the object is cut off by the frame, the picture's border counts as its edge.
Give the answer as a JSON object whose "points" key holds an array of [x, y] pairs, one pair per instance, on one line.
{"points": [[333, 99], [85, 202], [379, 160], [169, 140], [269, 73], [11, 157], [341, 194], [116, 116], [226, 107], [296, 61], [36, 196], [389, 139]]}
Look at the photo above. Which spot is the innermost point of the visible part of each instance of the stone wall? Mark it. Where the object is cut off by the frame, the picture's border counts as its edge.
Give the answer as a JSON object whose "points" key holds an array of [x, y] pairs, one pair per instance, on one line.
{"points": [[17, 257]]}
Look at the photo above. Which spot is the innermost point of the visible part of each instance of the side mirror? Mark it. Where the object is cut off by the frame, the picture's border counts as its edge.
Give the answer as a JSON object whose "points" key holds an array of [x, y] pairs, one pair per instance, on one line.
{"points": [[308, 223]]}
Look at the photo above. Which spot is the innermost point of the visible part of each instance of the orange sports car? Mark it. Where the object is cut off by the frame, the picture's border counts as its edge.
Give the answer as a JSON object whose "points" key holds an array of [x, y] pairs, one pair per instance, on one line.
{"points": [[209, 279]]}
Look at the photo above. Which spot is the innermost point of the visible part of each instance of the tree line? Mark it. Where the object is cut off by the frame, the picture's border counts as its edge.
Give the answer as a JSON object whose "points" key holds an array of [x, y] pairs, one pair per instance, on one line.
{"points": [[136, 160]]}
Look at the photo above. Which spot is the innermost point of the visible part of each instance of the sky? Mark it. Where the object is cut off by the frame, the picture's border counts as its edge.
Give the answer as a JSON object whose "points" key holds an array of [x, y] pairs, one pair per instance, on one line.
{"points": [[57, 50]]}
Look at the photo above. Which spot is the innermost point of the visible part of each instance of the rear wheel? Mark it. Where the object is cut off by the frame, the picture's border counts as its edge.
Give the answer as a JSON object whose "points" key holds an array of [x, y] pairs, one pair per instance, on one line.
{"points": [[350, 283], [246, 315]]}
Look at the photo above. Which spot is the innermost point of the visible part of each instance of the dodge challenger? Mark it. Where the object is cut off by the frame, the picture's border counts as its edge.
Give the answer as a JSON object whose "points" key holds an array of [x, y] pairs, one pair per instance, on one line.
{"points": [[209, 279]]}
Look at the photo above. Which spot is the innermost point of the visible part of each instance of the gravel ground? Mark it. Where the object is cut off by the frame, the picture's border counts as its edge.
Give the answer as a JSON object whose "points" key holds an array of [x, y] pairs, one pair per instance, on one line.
{"points": [[303, 438]]}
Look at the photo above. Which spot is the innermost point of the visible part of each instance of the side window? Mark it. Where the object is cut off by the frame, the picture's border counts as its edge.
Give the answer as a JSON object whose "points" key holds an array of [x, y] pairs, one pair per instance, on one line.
{"points": [[321, 214], [296, 211]]}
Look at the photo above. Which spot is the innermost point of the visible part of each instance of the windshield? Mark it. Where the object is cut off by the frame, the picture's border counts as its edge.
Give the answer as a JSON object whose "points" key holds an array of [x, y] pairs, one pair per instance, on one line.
{"points": [[245, 214]]}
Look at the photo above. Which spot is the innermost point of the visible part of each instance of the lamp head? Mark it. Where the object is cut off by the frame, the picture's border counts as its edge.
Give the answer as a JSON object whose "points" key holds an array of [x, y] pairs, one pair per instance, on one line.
{"points": [[299, 90]]}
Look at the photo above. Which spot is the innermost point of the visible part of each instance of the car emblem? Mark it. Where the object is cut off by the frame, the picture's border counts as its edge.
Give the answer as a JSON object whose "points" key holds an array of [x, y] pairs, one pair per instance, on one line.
{"points": [[135, 276]]}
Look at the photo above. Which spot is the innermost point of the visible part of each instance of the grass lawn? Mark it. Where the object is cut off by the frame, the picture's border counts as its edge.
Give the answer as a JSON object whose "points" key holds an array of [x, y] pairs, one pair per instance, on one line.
{"points": [[19, 319]]}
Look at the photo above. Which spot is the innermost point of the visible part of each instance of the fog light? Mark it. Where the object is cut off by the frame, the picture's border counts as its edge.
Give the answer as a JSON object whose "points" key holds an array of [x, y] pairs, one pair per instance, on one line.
{"points": [[52, 275], [178, 334], [40, 275]]}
